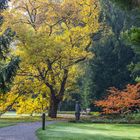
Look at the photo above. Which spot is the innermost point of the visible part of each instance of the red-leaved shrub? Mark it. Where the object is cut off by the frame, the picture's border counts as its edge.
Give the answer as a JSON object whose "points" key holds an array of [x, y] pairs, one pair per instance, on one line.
{"points": [[121, 102]]}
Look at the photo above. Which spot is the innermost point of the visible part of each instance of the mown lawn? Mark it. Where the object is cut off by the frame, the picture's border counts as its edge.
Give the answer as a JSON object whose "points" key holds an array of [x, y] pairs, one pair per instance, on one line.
{"points": [[82, 131], [4, 123], [13, 121]]}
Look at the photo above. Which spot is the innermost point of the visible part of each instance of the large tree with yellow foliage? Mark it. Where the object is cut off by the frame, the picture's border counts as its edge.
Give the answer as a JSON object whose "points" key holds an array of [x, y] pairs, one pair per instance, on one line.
{"points": [[53, 37]]}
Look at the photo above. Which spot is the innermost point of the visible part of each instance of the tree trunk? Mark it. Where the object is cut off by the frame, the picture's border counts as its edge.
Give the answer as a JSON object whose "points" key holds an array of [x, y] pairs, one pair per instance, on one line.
{"points": [[52, 112], [56, 99]]}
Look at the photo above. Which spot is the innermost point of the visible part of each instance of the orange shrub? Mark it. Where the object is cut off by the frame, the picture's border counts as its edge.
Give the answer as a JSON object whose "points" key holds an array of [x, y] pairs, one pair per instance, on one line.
{"points": [[121, 102]]}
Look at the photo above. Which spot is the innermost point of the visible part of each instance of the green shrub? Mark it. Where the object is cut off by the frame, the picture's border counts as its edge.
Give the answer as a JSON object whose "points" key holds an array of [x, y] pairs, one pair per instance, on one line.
{"points": [[133, 117]]}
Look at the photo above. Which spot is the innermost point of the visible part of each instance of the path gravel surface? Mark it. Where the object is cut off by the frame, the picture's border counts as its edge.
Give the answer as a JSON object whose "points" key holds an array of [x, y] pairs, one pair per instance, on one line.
{"points": [[21, 131]]}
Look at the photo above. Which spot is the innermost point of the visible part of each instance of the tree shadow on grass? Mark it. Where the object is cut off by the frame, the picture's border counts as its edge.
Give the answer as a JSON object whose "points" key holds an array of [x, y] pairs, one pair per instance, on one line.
{"points": [[70, 131], [83, 137], [65, 135], [128, 125]]}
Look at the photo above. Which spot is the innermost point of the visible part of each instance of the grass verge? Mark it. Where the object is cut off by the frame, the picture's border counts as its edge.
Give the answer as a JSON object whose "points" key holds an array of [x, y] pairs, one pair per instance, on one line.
{"points": [[4, 122], [89, 131]]}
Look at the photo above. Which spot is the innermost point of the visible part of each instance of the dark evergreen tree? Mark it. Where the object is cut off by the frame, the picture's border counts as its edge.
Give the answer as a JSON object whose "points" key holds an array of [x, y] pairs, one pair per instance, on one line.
{"points": [[127, 4], [111, 65], [8, 63], [132, 35]]}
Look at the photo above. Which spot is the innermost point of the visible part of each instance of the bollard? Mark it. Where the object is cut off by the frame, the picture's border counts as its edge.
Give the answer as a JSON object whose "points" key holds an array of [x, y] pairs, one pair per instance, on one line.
{"points": [[43, 121]]}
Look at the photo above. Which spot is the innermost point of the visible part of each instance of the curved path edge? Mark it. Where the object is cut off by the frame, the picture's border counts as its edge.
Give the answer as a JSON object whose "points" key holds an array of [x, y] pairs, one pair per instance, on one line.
{"points": [[22, 131]]}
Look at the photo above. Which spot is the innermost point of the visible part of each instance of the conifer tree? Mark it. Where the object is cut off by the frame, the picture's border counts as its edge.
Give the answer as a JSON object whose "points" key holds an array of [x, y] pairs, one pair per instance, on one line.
{"points": [[8, 63]]}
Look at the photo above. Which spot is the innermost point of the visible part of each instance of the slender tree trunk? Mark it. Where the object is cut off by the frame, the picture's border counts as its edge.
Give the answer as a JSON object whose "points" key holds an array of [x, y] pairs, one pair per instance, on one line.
{"points": [[52, 112]]}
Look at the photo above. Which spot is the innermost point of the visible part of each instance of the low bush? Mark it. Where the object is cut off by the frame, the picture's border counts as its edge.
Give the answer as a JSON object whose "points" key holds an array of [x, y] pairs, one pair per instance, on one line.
{"points": [[133, 118]]}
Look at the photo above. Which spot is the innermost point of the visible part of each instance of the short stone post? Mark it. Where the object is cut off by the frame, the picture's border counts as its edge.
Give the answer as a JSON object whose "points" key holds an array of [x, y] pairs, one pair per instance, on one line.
{"points": [[43, 121], [77, 111]]}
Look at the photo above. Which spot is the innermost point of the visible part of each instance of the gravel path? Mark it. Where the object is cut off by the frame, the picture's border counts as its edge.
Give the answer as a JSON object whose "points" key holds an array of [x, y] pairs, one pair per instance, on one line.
{"points": [[21, 131]]}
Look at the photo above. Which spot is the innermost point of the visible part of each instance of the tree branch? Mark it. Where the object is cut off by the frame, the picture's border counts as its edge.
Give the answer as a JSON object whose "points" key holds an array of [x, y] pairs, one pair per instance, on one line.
{"points": [[62, 88]]}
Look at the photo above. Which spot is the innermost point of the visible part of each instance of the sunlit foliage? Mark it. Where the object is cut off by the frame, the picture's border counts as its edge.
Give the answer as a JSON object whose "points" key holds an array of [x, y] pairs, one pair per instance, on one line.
{"points": [[53, 38]]}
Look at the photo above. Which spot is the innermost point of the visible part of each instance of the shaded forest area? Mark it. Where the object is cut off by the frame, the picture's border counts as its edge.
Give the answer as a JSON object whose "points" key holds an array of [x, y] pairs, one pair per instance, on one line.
{"points": [[117, 52]]}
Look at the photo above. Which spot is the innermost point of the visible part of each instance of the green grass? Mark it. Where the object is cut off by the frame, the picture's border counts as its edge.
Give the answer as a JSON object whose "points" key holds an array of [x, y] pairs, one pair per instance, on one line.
{"points": [[4, 122], [86, 131], [7, 122]]}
